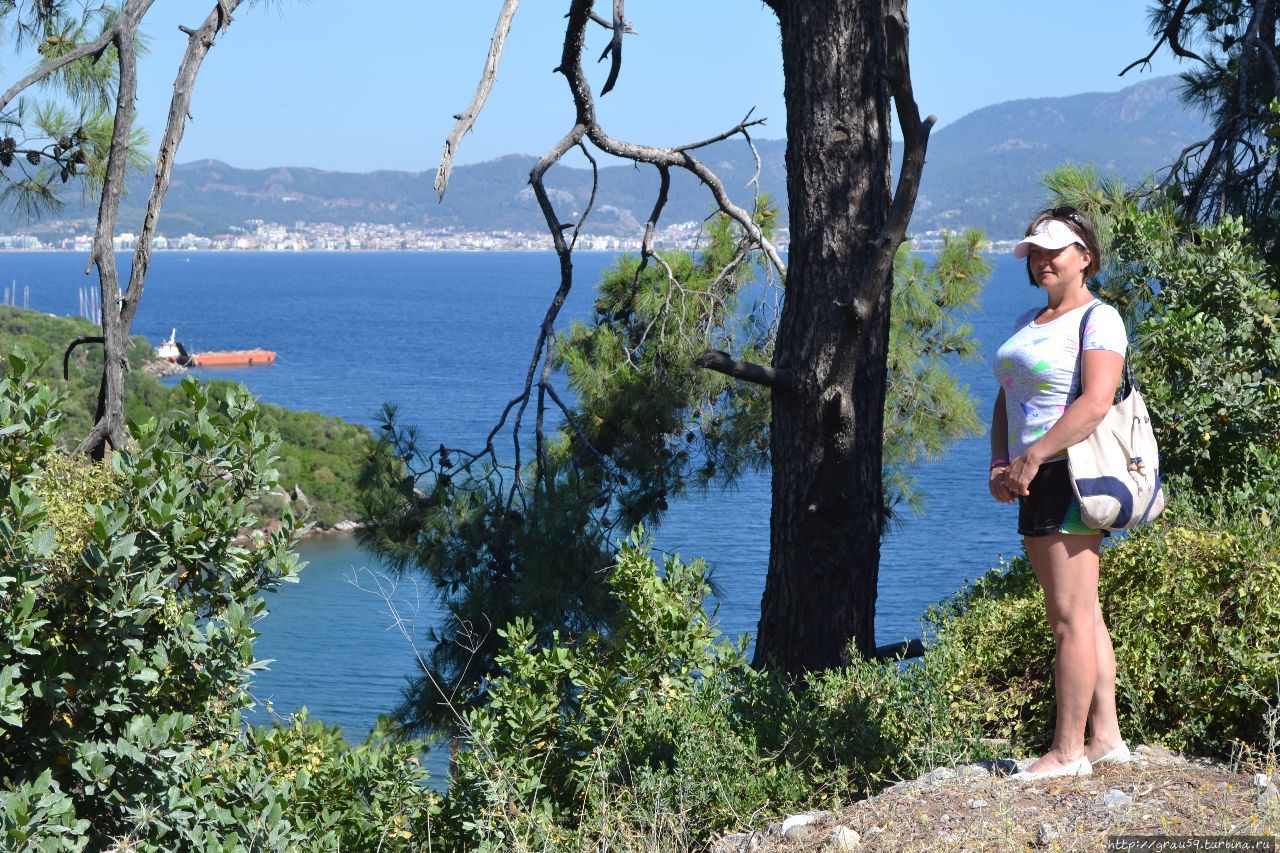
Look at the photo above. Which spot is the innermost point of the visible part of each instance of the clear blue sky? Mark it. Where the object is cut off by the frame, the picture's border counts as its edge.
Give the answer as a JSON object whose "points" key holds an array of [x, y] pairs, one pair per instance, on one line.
{"points": [[320, 84]]}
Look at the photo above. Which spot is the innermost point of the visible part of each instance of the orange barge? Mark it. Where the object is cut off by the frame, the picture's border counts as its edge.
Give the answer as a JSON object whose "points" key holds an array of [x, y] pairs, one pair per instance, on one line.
{"points": [[233, 358], [173, 351]]}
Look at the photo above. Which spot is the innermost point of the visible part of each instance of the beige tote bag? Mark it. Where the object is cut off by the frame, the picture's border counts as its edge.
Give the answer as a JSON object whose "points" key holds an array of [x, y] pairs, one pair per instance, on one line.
{"points": [[1115, 472]]}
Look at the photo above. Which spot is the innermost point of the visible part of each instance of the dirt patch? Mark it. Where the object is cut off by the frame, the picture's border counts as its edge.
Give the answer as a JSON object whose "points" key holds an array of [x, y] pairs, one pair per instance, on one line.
{"points": [[976, 807]]}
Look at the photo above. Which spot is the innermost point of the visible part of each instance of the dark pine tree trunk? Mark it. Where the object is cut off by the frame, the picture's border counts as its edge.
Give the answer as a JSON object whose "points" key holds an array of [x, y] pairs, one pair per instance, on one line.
{"points": [[827, 428]]}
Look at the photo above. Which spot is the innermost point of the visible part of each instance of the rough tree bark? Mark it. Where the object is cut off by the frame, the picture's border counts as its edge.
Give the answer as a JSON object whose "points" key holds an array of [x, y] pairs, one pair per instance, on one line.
{"points": [[844, 62]]}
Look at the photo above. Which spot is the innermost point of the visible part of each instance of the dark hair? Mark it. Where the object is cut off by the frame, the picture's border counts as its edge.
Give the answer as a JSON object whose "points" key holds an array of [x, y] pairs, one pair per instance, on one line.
{"points": [[1083, 228]]}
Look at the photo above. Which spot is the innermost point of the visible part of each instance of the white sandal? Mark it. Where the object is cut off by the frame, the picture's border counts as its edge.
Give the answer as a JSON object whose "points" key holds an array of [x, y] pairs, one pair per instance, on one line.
{"points": [[1119, 755], [1079, 767]]}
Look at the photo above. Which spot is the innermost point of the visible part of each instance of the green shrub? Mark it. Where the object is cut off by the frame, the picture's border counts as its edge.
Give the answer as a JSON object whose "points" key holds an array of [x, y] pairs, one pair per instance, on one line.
{"points": [[126, 623], [851, 731], [127, 603], [371, 796], [634, 732]]}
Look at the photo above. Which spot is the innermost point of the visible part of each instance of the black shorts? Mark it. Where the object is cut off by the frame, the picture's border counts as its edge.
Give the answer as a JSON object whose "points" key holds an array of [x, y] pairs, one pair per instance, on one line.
{"points": [[1051, 507]]}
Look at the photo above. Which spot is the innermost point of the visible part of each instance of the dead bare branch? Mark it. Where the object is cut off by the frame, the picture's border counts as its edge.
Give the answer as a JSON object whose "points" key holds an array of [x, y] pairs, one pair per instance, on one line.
{"points": [[1172, 33], [755, 176], [915, 140], [651, 224], [468, 116], [608, 25], [587, 127], [591, 202], [740, 127], [66, 355], [614, 48], [546, 333], [571, 67], [199, 43]]}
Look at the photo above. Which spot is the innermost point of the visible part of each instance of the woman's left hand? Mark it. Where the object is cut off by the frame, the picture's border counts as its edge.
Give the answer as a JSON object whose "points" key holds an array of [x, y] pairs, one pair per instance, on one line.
{"points": [[1020, 473]]}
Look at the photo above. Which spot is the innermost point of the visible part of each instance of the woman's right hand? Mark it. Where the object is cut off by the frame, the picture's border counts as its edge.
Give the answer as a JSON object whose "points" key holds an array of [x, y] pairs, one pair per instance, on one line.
{"points": [[999, 488]]}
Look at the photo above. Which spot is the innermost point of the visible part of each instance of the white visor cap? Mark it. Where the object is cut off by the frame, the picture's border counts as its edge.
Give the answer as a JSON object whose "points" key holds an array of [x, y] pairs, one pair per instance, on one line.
{"points": [[1051, 234]]}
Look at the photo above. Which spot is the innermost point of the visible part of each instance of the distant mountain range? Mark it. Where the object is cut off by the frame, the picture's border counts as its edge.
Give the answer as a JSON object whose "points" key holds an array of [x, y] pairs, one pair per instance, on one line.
{"points": [[982, 170]]}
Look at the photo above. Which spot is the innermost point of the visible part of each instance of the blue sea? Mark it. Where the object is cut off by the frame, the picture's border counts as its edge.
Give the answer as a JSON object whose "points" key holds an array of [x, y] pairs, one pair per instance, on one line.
{"points": [[447, 337]]}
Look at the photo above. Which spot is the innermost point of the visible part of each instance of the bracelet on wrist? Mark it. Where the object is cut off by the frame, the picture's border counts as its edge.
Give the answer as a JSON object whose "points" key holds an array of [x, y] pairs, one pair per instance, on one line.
{"points": [[996, 463]]}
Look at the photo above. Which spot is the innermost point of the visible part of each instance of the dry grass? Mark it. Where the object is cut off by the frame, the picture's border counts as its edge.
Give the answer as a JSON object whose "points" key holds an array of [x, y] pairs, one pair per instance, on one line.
{"points": [[972, 808]]}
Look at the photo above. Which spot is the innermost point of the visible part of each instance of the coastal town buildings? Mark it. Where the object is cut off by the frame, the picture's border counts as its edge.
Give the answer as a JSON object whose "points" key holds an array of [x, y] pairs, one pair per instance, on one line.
{"points": [[257, 235]]}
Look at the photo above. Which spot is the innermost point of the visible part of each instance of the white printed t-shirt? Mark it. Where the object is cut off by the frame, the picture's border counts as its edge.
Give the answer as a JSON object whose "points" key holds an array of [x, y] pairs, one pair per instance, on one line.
{"points": [[1039, 367]]}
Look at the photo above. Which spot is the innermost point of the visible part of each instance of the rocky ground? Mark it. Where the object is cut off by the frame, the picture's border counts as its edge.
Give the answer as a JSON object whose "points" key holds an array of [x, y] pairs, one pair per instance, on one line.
{"points": [[976, 807]]}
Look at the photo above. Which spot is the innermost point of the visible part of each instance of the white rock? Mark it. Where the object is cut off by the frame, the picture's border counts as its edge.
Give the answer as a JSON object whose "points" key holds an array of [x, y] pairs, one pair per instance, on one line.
{"points": [[843, 838], [1116, 797], [1261, 780], [977, 804], [1045, 834], [796, 826], [939, 775], [1269, 798]]}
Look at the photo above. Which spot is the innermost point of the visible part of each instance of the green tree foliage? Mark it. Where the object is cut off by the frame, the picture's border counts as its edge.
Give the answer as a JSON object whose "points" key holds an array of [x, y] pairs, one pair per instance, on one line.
{"points": [[320, 455], [926, 408], [1203, 307], [648, 425], [1234, 50], [65, 134]]}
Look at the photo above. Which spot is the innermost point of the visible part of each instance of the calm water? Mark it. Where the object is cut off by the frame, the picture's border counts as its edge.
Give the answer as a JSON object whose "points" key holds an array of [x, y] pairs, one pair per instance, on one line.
{"points": [[448, 337]]}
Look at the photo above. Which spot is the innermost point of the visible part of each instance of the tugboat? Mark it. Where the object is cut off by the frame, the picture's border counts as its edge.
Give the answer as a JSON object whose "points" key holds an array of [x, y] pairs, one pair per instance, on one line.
{"points": [[173, 351]]}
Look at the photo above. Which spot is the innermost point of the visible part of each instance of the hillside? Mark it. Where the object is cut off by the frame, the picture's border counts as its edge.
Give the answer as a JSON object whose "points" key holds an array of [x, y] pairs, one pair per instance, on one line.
{"points": [[320, 455], [982, 170]]}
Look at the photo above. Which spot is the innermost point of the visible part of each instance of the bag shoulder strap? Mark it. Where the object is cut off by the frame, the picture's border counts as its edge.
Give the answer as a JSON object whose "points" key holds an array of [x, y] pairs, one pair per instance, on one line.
{"points": [[1126, 373]]}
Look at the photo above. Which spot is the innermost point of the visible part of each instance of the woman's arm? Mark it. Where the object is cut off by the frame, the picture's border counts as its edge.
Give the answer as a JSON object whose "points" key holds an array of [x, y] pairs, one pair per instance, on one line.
{"points": [[1099, 375], [999, 451]]}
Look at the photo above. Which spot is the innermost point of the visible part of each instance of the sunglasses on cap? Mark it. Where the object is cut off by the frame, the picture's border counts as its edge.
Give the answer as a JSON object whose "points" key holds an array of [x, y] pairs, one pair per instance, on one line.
{"points": [[1067, 212]]}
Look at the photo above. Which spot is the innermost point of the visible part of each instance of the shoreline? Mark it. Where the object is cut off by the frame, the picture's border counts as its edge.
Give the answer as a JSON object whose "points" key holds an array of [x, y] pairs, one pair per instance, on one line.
{"points": [[346, 527]]}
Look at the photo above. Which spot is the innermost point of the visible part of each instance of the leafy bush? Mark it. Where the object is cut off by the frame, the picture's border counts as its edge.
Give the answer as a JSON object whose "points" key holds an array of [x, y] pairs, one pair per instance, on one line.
{"points": [[371, 796], [632, 733], [1209, 352], [127, 602], [126, 625]]}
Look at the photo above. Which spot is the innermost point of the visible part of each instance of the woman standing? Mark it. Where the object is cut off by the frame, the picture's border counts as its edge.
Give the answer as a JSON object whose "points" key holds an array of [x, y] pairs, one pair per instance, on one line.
{"points": [[1056, 384]]}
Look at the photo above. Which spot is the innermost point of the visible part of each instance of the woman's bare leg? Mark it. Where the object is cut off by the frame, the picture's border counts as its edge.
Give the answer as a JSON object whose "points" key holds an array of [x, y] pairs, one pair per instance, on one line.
{"points": [[1067, 568], [1104, 727]]}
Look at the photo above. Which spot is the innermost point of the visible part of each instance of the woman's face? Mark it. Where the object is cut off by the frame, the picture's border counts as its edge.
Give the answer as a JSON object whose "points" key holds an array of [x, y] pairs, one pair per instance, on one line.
{"points": [[1054, 268]]}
